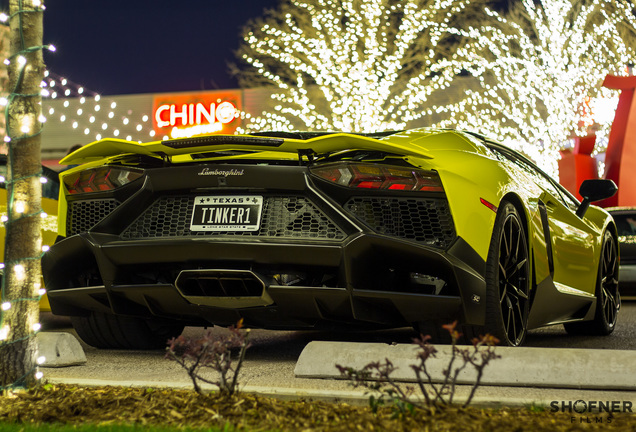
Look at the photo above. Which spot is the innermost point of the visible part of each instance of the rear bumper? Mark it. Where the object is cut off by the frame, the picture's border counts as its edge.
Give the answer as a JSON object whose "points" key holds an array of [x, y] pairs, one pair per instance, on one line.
{"points": [[370, 280]]}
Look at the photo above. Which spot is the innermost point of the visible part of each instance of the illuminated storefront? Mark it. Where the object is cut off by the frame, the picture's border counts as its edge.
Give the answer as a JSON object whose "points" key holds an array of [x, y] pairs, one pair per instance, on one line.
{"points": [[185, 115], [145, 117]]}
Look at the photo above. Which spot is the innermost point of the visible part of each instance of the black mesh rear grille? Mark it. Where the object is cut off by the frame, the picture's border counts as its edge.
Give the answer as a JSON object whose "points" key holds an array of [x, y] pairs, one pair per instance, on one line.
{"points": [[83, 215], [426, 220], [287, 217]]}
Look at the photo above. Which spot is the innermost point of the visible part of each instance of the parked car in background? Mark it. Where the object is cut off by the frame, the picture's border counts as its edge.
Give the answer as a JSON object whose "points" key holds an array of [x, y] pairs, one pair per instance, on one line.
{"points": [[625, 219], [50, 191], [326, 230]]}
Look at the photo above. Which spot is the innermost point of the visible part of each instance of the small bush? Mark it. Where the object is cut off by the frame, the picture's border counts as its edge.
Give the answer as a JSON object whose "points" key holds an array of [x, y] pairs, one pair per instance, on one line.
{"points": [[212, 352], [376, 376]]}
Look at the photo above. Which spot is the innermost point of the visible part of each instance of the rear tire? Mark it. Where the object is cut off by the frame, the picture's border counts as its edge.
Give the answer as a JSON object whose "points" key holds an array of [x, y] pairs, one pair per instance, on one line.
{"points": [[608, 298], [508, 278], [103, 330]]}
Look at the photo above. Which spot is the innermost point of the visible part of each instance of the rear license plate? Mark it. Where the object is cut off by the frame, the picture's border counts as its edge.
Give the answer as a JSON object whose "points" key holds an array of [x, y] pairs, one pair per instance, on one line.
{"points": [[226, 213]]}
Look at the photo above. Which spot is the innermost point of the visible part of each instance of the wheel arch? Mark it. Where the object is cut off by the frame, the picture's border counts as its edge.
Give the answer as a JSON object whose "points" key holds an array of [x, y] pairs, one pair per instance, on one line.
{"points": [[516, 201], [611, 227]]}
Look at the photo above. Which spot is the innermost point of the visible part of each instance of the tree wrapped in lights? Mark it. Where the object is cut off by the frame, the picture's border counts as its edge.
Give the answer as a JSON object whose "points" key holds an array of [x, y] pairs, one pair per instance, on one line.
{"points": [[350, 65], [540, 68], [21, 289]]}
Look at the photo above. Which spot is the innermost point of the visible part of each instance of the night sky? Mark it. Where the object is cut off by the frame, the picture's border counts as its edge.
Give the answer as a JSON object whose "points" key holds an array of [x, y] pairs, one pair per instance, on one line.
{"points": [[146, 46]]}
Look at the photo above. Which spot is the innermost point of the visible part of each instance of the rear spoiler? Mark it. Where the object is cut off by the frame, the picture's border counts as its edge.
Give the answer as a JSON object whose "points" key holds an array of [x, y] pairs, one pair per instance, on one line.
{"points": [[216, 143]]}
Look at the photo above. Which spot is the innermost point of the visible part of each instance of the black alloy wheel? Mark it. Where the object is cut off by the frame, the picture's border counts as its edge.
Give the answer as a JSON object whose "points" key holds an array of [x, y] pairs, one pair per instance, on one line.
{"points": [[508, 278], [608, 297]]}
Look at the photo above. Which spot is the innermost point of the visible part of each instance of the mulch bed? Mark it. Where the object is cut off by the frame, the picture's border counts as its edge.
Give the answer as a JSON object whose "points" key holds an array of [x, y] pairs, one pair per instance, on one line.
{"points": [[168, 407]]}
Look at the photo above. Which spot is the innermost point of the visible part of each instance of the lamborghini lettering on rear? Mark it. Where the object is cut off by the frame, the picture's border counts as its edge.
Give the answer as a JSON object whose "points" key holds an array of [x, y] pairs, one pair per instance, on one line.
{"points": [[232, 172]]}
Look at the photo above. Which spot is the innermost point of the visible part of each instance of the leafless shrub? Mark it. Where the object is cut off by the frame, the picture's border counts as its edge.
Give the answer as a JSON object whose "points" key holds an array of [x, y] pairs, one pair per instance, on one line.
{"points": [[214, 352], [376, 376]]}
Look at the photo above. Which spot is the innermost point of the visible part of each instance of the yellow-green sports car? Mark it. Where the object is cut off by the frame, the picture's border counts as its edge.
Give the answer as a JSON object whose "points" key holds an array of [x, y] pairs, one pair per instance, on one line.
{"points": [[292, 230]]}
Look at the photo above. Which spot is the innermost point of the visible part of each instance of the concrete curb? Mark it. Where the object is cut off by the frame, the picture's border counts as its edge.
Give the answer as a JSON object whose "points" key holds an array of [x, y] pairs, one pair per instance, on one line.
{"points": [[59, 349], [517, 367]]}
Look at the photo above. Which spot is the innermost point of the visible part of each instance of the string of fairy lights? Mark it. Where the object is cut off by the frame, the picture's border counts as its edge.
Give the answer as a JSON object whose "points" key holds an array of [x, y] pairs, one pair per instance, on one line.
{"points": [[348, 65], [87, 111], [16, 207], [95, 115], [538, 69], [79, 108]]}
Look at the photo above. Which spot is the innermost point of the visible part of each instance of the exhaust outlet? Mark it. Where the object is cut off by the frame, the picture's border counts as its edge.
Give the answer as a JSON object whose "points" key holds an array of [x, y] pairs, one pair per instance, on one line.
{"points": [[223, 288]]}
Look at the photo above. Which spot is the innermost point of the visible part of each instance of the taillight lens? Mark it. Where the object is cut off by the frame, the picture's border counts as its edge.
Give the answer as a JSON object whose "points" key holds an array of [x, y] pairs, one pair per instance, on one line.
{"points": [[100, 179], [375, 176]]}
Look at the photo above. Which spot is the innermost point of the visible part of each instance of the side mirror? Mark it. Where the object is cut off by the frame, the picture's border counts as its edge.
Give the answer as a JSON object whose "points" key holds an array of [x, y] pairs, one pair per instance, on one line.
{"points": [[594, 190]]}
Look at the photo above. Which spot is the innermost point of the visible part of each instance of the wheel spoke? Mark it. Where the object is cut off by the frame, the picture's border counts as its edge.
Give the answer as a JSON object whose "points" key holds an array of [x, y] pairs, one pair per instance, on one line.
{"points": [[506, 247], [519, 292], [509, 241], [518, 267], [605, 282], [502, 271], [610, 306], [514, 326], [518, 243], [511, 318], [609, 313], [504, 293], [520, 316]]}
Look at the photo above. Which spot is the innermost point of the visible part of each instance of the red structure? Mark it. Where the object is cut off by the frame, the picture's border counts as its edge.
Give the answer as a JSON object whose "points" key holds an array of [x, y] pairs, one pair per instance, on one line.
{"points": [[577, 164], [620, 156]]}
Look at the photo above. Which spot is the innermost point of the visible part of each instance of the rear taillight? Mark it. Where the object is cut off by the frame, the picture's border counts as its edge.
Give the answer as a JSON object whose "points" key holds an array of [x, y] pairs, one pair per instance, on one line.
{"points": [[375, 176], [100, 179]]}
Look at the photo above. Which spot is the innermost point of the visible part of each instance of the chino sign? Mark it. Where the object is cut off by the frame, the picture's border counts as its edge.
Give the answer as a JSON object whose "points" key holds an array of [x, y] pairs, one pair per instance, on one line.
{"points": [[187, 114]]}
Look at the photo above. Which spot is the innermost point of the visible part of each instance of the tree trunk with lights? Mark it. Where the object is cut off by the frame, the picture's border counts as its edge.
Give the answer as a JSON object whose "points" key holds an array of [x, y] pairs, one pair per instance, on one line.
{"points": [[22, 272]]}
